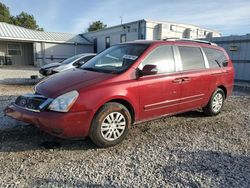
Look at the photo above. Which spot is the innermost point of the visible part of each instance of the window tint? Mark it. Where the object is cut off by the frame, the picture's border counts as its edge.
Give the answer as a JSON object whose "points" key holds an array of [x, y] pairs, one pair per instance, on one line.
{"points": [[71, 59], [215, 58], [83, 60], [191, 57], [162, 57]]}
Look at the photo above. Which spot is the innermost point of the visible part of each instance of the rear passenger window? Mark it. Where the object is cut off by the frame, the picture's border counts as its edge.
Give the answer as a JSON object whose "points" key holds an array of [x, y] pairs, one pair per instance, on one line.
{"points": [[216, 58], [163, 57], [191, 57]]}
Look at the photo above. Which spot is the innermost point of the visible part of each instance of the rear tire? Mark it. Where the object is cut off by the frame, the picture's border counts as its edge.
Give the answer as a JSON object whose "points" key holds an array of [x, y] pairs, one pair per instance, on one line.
{"points": [[215, 103], [110, 125]]}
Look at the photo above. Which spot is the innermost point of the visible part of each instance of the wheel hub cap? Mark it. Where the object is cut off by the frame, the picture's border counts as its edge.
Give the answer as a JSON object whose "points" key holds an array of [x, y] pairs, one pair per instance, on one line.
{"points": [[113, 126], [217, 102]]}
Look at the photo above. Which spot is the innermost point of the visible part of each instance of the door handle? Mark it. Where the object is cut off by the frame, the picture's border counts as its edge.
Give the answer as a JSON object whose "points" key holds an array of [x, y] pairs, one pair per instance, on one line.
{"points": [[177, 80], [183, 79], [186, 79]]}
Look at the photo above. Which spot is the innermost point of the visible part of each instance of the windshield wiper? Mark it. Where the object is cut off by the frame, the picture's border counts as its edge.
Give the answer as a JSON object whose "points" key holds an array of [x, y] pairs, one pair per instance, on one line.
{"points": [[100, 70], [90, 69]]}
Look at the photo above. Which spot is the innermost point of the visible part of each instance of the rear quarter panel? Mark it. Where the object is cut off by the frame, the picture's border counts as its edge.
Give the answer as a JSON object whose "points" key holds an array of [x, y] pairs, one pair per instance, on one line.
{"points": [[226, 78], [229, 76], [222, 77]]}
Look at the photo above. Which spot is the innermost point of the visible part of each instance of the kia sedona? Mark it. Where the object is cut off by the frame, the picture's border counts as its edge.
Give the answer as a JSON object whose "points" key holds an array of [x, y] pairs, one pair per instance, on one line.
{"points": [[126, 84]]}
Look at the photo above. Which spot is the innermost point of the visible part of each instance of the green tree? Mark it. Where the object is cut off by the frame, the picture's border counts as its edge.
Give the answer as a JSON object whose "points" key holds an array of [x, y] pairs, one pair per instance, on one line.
{"points": [[96, 26], [4, 13], [25, 20]]}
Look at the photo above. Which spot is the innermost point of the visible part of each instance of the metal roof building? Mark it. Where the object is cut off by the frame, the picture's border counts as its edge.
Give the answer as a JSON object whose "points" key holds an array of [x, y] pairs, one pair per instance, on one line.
{"points": [[238, 48], [23, 46]]}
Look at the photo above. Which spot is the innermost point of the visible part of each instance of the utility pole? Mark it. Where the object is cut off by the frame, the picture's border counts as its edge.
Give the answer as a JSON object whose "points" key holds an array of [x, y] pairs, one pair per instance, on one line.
{"points": [[121, 19]]}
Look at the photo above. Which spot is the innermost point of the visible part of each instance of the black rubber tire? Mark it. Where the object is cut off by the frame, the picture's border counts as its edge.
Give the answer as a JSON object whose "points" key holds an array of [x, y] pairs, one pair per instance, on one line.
{"points": [[208, 110], [95, 129]]}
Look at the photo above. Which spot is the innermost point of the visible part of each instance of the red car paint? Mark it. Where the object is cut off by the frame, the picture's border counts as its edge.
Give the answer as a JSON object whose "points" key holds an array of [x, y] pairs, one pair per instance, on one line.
{"points": [[149, 97]]}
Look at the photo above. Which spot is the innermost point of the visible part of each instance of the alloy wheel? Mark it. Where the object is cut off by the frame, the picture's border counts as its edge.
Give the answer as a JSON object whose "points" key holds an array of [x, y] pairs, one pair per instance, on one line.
{"points": [[217, 102], [113, 126]]}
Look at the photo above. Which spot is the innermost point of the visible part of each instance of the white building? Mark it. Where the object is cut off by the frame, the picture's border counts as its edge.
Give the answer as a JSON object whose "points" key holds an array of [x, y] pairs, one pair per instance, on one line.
{"points": [[145, 29], [21, 46]]}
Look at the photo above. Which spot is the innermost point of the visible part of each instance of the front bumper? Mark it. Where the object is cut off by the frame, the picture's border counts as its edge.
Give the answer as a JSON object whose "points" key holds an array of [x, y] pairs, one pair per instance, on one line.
{"points": [[71, 125]]}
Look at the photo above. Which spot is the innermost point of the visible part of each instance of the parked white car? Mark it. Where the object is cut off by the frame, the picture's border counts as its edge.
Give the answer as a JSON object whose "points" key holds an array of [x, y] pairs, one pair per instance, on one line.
{"points": [[69, 63]]}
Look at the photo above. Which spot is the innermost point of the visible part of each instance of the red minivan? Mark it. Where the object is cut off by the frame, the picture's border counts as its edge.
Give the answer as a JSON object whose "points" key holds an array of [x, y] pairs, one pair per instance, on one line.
{"points": [[126, 84]]}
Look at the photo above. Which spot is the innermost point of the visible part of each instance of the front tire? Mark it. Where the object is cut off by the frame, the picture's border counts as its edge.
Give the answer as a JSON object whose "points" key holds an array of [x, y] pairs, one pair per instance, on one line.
{"points": [[215, 103], [110, 125]]}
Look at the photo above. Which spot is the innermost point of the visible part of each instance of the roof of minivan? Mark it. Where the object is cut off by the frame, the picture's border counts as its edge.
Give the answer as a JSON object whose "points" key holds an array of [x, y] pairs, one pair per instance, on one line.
{"points": [[193, 43]]}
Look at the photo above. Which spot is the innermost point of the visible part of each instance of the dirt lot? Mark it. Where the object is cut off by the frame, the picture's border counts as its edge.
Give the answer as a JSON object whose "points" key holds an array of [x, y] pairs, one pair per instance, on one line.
{"points": [[188, 150]]}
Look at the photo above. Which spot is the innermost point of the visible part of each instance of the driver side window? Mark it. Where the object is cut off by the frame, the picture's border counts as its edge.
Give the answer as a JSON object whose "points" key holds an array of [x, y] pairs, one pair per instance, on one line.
{"points": [[162, 57], [76, 63]]}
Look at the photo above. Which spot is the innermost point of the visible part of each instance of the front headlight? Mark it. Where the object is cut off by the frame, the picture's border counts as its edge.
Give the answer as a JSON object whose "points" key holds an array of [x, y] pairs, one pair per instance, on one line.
{"points": [[64, 102]]}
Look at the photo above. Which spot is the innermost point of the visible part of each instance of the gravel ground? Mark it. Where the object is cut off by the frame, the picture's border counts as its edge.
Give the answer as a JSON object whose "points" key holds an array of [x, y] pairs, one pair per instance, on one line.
{"points": [[187, 150], [14, 81]]}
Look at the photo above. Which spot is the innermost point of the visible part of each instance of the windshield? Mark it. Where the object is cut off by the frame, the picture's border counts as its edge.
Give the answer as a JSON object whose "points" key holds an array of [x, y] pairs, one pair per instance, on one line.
{"points": [[71, 59], [115, 59]]}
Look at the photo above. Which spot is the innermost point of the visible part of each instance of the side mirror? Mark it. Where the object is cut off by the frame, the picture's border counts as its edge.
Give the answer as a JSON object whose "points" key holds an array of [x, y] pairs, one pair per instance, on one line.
{"points": [[148, 70], [78, 64], [225, 64]]}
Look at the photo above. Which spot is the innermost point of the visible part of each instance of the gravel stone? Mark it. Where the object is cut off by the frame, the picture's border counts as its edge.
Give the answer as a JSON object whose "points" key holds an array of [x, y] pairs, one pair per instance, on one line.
{"points": [[186, 150]]}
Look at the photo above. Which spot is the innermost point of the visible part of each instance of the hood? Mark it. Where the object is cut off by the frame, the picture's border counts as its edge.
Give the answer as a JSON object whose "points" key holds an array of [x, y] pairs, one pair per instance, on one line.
{"points": [[51, 65], [66, 81]]}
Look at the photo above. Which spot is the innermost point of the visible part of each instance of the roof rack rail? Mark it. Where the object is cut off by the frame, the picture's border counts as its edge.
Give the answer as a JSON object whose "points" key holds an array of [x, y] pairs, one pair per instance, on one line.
{"points": [[189, 40]]}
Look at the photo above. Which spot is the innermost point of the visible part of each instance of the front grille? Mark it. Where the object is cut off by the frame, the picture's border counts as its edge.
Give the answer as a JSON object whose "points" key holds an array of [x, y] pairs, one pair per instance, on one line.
{"points": [[31, 102]]}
